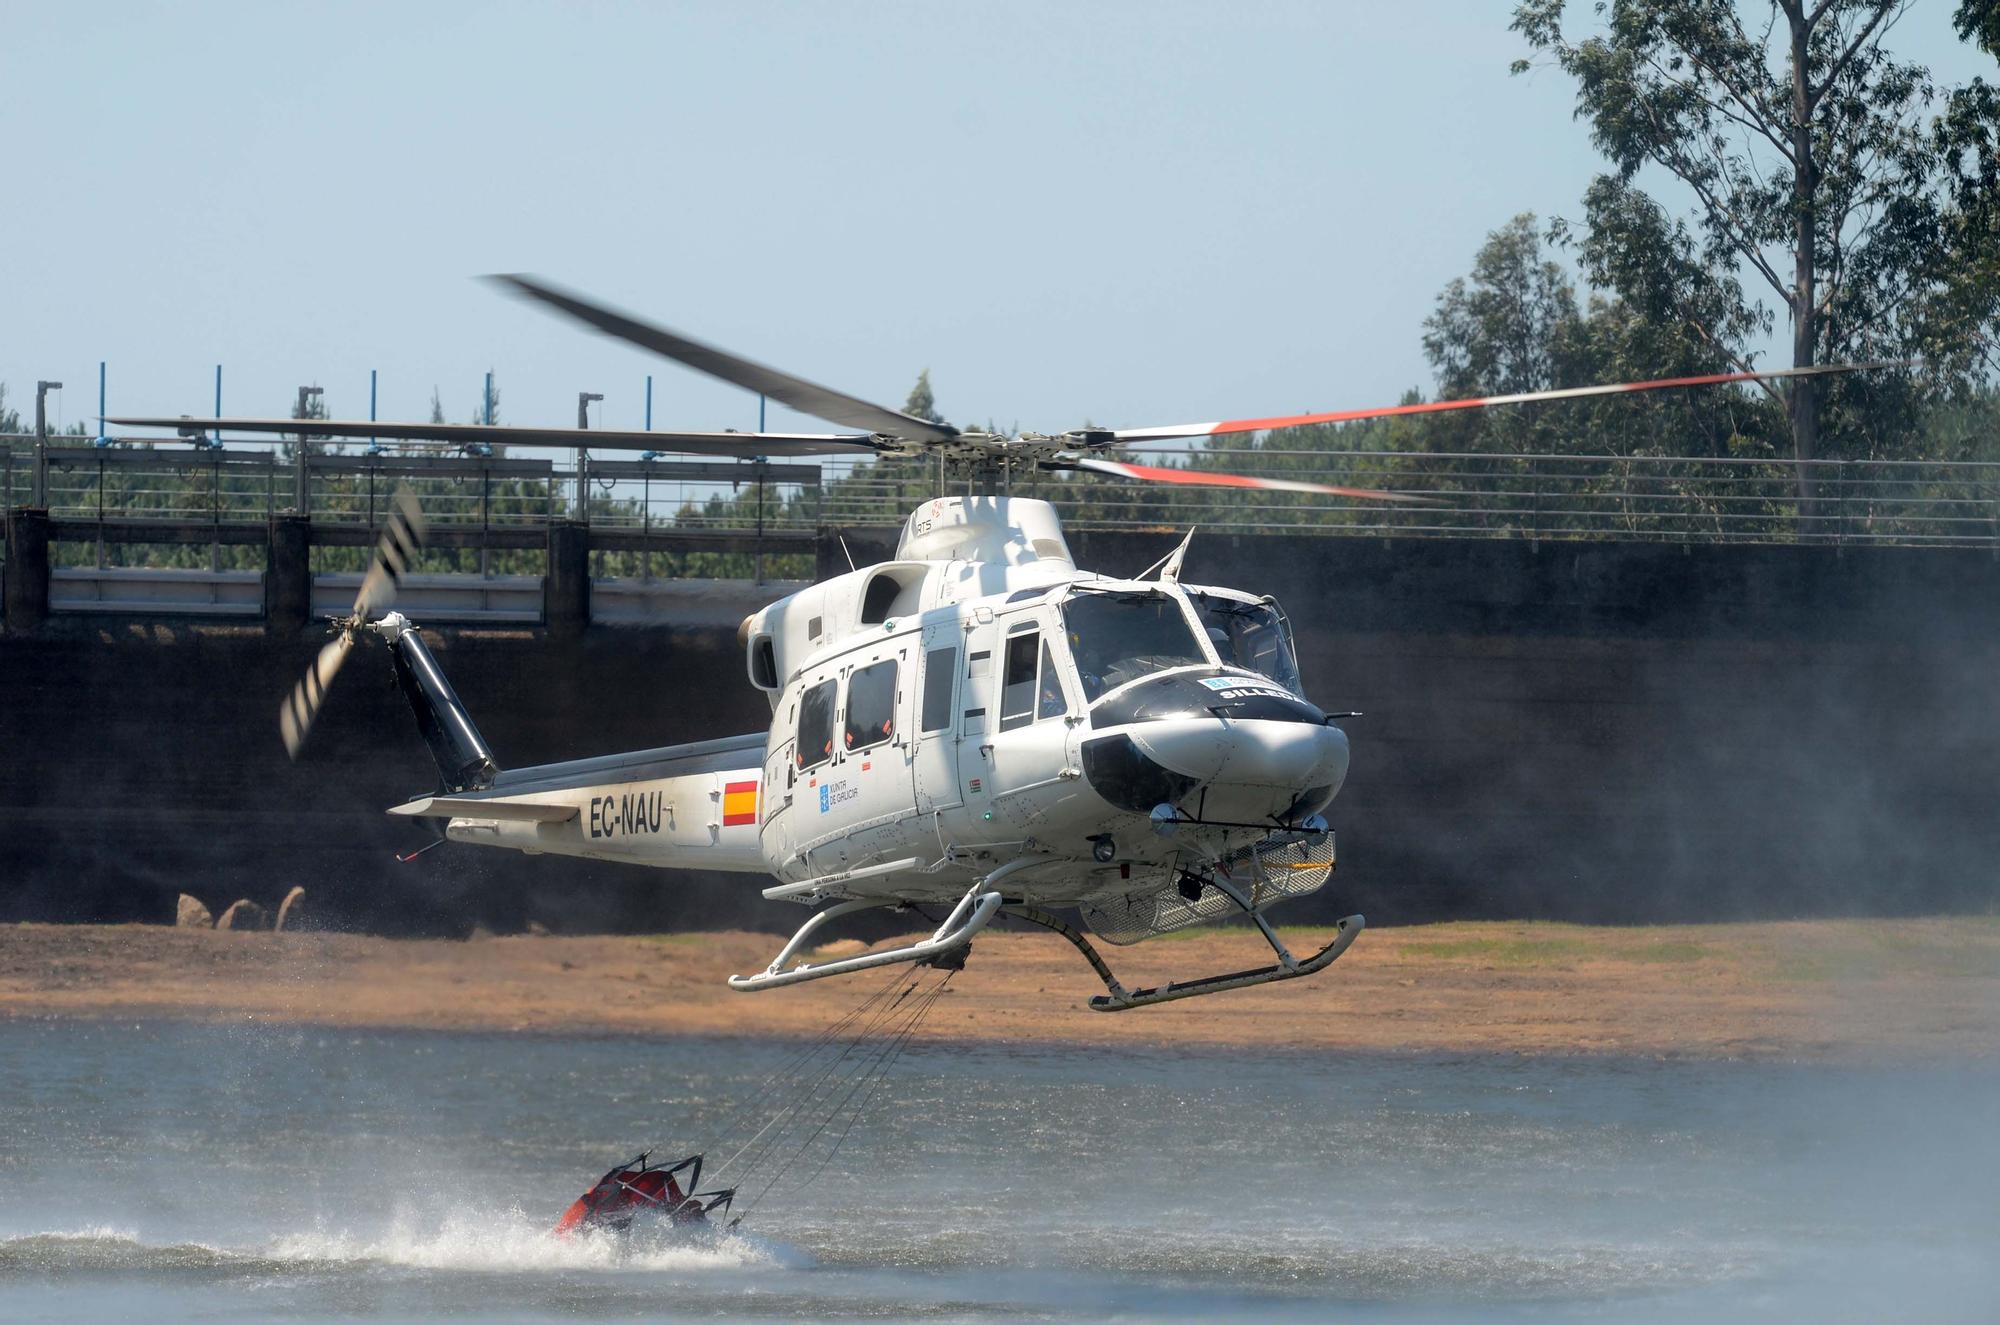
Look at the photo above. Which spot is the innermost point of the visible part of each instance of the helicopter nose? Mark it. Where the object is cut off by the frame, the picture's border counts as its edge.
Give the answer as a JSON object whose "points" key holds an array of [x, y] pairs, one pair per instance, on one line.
{"points": [[1247, 752]]}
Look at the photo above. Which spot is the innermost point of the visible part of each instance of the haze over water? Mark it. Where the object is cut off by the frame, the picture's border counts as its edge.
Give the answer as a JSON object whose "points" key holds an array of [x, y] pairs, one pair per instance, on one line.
{"points": [[178, 1172]]}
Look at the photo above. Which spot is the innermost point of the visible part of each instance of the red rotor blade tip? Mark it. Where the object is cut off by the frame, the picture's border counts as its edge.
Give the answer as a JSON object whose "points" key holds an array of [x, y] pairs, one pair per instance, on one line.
{"points": [[1204, 478], [1480, 402]]}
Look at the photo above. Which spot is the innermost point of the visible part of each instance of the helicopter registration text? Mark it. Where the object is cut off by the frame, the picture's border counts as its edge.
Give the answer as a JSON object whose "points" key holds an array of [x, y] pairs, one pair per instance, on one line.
{"points": [[624, 814]]}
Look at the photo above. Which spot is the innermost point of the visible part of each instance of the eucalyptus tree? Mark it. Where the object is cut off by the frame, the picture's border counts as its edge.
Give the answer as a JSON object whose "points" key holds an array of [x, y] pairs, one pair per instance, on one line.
{"points": [[1812, 177]]}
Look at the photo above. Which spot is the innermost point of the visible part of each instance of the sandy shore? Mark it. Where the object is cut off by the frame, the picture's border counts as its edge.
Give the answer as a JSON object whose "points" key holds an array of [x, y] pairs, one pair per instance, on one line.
{"points": [[1819, 989]]}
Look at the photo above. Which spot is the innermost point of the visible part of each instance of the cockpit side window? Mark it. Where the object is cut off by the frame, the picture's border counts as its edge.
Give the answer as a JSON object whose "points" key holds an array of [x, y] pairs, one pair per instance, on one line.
{"points": [[1050, 702], [815, 725], [1017, 681], [1119, 637], [1252, 636]]}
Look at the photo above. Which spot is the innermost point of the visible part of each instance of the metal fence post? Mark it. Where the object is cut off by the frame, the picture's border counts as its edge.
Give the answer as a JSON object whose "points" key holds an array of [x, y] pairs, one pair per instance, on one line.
{"points": [[1534, 499], [1846, 496], [761, 464], [215, 514]]}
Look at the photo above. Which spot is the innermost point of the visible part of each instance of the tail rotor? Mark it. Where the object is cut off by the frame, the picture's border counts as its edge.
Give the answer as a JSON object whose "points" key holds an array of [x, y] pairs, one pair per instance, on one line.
{"points": [[402, 539]]}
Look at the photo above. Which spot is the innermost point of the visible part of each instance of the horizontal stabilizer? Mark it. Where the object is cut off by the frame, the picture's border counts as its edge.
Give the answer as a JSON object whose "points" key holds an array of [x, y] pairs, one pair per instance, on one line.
{"points": [[485, 807]]}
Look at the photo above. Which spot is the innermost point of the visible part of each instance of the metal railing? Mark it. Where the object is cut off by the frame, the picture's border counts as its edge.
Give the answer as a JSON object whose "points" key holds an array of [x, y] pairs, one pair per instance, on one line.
{"points": [[497, 507], [635, 507], [1634, 498]]}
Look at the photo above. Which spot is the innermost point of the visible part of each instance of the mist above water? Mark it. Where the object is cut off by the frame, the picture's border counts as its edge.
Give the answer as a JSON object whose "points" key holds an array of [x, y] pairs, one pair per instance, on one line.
{"points": [[197, 1171]]}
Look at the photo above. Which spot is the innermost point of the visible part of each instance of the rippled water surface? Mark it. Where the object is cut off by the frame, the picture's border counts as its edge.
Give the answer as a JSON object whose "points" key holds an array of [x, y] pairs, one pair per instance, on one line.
{"points": [[170, 1172]]}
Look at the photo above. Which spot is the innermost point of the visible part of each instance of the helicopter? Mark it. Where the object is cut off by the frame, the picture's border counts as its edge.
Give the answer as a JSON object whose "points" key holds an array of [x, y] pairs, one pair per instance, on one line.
{"points": [[977, 725]]}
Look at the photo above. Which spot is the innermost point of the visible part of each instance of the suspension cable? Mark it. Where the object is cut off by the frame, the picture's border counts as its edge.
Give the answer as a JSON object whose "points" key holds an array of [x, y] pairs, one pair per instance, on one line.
{"points": [[792, 1110], [871, 1072], [894, 1052], [786, 1071]]}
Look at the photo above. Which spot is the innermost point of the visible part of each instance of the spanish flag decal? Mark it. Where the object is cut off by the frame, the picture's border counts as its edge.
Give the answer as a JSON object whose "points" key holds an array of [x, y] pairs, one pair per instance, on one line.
{"points": [[739, 803]]}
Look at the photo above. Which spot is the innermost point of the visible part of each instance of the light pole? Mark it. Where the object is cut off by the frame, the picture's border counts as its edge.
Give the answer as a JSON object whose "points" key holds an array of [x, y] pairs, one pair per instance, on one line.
{"points": [[102, 438], [42, 390], [301, 479], [580, 457]]}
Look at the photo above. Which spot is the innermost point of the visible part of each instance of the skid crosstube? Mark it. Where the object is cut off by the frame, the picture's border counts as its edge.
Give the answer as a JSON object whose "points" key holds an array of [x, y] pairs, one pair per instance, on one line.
{"points": [[1119, 998], [956, 933]]}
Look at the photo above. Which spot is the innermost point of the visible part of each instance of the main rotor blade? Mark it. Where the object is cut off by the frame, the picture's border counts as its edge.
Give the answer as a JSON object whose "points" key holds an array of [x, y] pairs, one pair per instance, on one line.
{"points": [[1476, 402], [1203, 478], [739, 444], [402, 539], [296, 714], [806, 397]]}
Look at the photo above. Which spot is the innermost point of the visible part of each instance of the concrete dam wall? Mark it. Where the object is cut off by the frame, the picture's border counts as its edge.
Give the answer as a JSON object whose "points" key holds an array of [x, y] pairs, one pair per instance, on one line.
{"points": [[1591, 731]]}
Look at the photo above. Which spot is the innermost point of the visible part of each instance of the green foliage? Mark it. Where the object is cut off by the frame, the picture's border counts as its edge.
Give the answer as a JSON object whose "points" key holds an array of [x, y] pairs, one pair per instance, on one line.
{"points": [[479, 410], [1825, 182], [1978, 21], [922, 404]]}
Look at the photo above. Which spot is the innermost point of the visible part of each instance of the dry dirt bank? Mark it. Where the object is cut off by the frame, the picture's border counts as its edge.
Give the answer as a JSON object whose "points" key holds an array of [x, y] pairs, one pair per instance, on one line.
{"points": [[1814, 989]]}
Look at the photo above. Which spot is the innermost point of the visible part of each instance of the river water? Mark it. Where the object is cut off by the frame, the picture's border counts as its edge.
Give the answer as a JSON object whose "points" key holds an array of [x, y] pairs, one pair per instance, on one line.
{"points": [[162, 1171]]}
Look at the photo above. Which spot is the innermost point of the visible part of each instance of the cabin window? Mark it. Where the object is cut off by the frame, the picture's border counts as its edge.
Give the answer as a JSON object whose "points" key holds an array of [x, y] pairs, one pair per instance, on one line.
{"points": [[815, 725], [871, 706], [1017, 681], [1120, 637], [1050, 703], [938, 666]]}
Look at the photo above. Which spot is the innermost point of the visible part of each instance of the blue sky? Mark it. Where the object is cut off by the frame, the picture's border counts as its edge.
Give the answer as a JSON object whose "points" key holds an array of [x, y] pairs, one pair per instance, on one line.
{"points": [[1135, 214]]}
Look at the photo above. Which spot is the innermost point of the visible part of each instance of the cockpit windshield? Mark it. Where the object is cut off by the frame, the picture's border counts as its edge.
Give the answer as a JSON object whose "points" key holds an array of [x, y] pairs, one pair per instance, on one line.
{"points": [[1119, 637], [1249, 635]]}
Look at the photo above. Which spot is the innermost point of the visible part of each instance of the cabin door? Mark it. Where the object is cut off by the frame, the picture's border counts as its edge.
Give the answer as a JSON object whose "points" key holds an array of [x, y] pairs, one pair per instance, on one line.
{"points": [[935, 731], [774, 797]]}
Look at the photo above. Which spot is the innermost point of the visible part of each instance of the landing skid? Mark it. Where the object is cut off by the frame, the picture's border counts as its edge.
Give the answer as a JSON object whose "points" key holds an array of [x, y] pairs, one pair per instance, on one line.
{"points": [[965, 921], [1120, 998]]}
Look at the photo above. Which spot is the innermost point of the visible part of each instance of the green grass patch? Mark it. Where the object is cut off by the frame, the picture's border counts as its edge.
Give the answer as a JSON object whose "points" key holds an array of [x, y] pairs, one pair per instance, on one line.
{"points": [[1507, 951], [1539, 943], [1668, 950]]}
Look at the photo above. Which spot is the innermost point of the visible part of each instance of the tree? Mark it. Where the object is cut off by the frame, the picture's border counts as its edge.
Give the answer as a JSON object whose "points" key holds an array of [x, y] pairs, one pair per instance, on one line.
{"points": [[1503, 329], [922, 404], [479, 410], [437, 407], [1499, 330], [1978, 21], [10, 419], [1815, 172], [1515, 325]]}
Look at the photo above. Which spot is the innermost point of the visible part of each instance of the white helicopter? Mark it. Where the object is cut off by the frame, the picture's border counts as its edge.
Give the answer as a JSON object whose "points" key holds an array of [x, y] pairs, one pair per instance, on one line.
{"points": [[977, 725]]}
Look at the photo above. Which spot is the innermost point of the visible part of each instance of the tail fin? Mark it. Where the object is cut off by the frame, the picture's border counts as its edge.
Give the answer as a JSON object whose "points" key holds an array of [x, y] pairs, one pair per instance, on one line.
{"points": [[463, 759]]}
